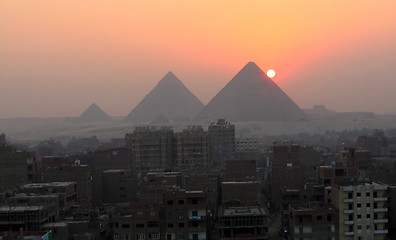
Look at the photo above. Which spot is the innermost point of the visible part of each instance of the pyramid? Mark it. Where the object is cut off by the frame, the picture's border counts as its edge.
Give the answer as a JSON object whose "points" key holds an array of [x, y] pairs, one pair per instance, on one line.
{"points": [[169, 98], [93, 114], [251, 96]]}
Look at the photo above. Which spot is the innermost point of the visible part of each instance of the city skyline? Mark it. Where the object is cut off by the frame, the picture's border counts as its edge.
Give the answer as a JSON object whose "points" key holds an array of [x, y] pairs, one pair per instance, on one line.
{"points": [[59, 58]]}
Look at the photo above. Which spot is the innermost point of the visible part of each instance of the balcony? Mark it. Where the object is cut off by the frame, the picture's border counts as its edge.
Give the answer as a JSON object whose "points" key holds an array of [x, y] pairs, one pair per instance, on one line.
{"points": [[348, 211], [380, 199], [381, 231], [380, 210], [380, 187], [385, 220], [348, 200], [347, 222], [348, 233]]}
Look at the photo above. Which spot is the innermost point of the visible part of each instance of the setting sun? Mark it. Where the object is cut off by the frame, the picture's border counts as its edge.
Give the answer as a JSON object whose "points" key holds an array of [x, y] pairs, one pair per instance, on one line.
{"points": [[271, 73]]}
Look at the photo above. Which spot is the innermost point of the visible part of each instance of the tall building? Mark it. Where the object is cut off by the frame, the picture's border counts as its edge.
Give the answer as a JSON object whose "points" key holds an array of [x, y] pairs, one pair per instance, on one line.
{"points": [[221, 142], [362, 209], [15, 166], [191, 148], [285, 170], [151, 147]]}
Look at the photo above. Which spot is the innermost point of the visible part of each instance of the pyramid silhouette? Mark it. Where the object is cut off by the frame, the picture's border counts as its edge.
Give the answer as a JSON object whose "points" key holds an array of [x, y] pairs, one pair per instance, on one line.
{"points": [[251, 96], [169, 98], [93, 114]]}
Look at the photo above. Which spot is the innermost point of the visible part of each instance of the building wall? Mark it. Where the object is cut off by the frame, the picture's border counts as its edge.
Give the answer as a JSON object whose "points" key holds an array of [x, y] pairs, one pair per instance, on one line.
{"points": [[362, 210], [221, 142], [191, 149], [185, 215], [151, 148]]}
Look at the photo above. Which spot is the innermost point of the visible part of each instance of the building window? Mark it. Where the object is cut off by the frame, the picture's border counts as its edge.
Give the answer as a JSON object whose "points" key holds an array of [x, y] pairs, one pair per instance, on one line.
{"points": [[181, 236], [181, 202], [300, 230], [140, 225], [368, 204], [169, 202], [181, 214], [115, 236], [367, 194], [170, 225], [319, 217], [194, 201], [359, 216], [125, 237], [194, 213], [375, 194], [328, 217], [195, 236], [116, 224], [359, 194], [368, 215], [170, 214], [181, 225], [168, 237], [359, 205], [125, 225]]}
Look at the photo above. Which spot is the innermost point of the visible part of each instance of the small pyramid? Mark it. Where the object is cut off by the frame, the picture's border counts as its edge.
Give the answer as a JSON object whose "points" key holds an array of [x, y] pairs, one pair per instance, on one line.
{"points": [[93, 114], [251, 96], [169, 98]]}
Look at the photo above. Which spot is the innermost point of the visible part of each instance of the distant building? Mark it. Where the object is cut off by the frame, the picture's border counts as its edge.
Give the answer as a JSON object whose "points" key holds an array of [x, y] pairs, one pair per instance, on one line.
{"points": [[58, 169], [241, 170], [285, 170], [374, 143], [246, 145], [151, 148], [113, 186], [221, 142], [191, 148], [113, 158], [16, 167]]}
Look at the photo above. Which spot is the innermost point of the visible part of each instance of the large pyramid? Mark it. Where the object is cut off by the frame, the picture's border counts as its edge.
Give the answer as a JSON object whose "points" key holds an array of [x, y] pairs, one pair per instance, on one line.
{"points": [[169, 98], [93, 114], [251, 96]]}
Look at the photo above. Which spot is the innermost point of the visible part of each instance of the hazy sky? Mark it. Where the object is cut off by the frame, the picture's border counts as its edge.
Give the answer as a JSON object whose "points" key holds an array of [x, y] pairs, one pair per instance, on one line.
{"points": [[57, 57]]}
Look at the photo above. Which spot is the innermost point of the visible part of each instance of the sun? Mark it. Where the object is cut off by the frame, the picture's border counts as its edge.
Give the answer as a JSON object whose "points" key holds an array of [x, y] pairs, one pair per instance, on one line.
{"points": [[271, 73]]}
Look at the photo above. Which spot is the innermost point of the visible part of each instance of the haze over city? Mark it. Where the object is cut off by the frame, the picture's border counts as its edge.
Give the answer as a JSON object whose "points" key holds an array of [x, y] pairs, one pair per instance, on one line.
{"points": [[57, 58]]}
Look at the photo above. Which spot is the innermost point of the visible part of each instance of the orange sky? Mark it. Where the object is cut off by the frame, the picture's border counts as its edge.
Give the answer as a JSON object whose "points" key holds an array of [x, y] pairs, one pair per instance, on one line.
{"points": [[57, 57]]}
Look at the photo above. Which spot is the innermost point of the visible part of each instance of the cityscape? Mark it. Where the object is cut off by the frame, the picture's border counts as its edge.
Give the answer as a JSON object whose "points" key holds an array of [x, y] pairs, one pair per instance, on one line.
{"points": [[180, 120]]}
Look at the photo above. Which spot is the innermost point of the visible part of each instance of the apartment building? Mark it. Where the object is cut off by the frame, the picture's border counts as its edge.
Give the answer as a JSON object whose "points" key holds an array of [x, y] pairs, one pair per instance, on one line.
{"points": [[312, 220], [249, 222], [362, 210], [185, 215]]}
